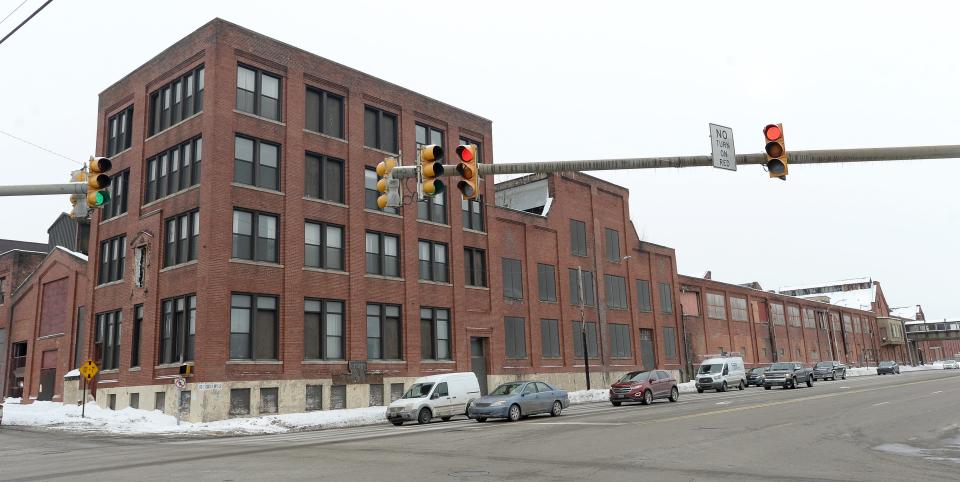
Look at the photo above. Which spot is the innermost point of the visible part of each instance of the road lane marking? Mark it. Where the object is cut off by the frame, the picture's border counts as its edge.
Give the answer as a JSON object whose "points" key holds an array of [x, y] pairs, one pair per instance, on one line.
{"points": [[936, 392], [881, 403], [581, 423]]}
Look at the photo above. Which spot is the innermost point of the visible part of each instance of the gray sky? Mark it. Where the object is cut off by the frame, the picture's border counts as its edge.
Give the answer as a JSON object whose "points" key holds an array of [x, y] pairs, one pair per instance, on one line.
{"points": [[596, 80]]}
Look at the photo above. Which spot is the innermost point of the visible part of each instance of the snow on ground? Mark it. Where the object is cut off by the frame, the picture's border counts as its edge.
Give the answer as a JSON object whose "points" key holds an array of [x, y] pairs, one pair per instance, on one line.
{"points": [[863, 371]]}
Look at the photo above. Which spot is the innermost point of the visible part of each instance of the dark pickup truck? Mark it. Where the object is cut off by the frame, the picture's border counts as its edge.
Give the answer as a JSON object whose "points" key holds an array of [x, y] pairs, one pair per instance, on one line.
{"points": [[787, 375], [829, 370]]}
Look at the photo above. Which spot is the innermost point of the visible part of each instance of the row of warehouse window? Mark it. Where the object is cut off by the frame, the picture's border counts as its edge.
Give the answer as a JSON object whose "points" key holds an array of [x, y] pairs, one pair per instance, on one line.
{"points": [[794, 315], [578, 241]]}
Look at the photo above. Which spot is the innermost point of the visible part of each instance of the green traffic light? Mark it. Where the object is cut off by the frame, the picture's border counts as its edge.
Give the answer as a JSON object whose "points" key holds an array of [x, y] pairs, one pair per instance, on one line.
{"points": [[103, 197]]}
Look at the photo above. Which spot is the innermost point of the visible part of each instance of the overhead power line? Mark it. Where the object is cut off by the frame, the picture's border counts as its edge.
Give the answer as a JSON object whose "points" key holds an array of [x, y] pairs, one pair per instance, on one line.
{"points": [[39, 147], [13, 12], [25, 21]]}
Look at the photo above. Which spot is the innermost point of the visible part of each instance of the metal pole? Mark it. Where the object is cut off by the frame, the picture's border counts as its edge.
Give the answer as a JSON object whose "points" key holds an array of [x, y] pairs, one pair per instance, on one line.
{"points": [[44, 189], [83, 398], [583, 329], [179, 405]]}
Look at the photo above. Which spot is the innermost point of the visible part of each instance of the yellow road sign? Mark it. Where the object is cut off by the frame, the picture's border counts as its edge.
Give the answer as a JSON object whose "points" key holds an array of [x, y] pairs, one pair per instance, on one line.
{"points": [[89, 370]]}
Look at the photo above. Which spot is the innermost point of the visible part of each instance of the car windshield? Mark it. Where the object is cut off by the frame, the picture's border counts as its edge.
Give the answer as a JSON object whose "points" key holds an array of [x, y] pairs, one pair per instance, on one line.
{"points": [[886, 364], [757, 371], [825, 364], [418, 390], [782, 366], [635, 377], [508, 389], [715, 368]]}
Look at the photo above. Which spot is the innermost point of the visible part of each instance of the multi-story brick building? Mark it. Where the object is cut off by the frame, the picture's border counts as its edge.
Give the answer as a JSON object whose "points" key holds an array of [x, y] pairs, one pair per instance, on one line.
{"points": [[17, 260]]}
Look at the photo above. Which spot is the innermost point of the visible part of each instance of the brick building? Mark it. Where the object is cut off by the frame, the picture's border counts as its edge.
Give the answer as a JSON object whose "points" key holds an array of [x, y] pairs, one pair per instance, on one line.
{"points": [[17, 260]]}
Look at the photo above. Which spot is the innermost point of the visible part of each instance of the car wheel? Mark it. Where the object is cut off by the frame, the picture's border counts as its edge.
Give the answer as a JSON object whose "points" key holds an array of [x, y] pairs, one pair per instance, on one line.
{"points": [[424, 416], [740, 386], [557, 408], [809, 382], [397, 422], [674, 394], [514, 413], [844, 376], [647, 397], [766, 387], [481, 419], [615, 404], [699, 390], [445, 419], [723, 387]]}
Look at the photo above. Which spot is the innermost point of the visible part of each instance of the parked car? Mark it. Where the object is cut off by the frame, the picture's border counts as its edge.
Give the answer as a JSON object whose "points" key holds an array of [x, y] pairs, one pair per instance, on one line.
{"points": [[890, 367], [644, 387], [441, 396], [829, 370], [755, 376], [513, 400], [951, 365], [721, 373], [787, 375]]}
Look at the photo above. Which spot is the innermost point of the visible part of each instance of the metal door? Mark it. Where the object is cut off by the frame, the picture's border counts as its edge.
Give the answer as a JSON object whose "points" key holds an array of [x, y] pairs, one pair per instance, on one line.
{"points": [[646, 349], [478, 361], [48, 378]]}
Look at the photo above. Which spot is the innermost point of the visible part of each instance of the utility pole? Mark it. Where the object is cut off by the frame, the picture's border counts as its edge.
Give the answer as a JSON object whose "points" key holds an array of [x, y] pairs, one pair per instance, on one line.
{"points": [[583, 328]]}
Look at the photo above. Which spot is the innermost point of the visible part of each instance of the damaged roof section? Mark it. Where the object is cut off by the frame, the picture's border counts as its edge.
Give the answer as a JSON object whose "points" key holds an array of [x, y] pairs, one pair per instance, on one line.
{"points": [[529, 194]]}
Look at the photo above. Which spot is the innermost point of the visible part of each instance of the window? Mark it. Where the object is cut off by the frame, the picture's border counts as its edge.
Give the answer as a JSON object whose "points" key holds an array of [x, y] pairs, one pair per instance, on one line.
{"points": [[137, 329], [550, 338], [474, 267], [134, 400], [384, 335], [112, 252], [173, 170], [3, 290], [182, 238], [383, 254], [185, 401], [615, 288], [269, 400], [178, 327], [253, 327], [258, 92], [434, 334], [379, 129], [512, 279], [118, 196], [578, 238], [370, 193], [578, 339], [324, 178], [256, 163], [472, 209], [643, 295], [323, 245], [159, 401], [338, 397], [119, 131], [808, 319], [396, 391], [669, 342], [431, 208], [776, 312], [666, 298], [314, 397], [793, 315], [612, 244], [260, 247], [620, 341], [738, 309], [589, 289], [176, 101], [324, 112], [547, 282], [239, 401], [107, 337], [515, 338], [323, 329], [140, 266], [376, 394], [433, 261], [715, 306]]}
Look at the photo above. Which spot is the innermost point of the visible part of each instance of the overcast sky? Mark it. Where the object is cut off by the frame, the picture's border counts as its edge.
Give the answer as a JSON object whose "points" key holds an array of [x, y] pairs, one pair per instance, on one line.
{"points": [[588, 80]]}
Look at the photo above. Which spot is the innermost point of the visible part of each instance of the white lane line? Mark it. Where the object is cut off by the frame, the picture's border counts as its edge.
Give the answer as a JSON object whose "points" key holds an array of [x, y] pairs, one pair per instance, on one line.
{"points": [[881, 403], [936, 392], [581, 423]]}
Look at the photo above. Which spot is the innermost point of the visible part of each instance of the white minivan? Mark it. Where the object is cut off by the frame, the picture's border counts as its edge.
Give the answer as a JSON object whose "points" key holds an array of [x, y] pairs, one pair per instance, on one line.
{"points": [[720, 373], [441, 396]]}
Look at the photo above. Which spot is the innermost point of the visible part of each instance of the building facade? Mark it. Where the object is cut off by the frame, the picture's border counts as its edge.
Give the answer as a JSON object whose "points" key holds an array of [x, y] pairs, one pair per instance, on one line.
{"points": [[17, 261]]}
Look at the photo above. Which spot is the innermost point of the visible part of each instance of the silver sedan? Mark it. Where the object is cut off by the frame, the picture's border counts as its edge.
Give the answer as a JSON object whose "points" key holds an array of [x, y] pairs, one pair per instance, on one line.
{"points": [[513, 400]]}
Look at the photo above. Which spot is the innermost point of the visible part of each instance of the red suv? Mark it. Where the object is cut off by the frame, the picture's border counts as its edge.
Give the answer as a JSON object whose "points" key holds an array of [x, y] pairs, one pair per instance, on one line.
{"points": [[643, 387]]}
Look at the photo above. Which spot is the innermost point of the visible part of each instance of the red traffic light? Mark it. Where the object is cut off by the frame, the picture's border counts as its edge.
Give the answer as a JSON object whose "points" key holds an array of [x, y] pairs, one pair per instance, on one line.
{"points": [[772, 132], [464, 153]]}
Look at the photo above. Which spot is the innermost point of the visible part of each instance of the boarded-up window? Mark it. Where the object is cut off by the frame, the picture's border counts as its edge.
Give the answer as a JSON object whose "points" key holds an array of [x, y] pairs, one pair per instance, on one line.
{"points": [[591, 339], [669, 342], [269, 400], [376, 394], [793, 315], [239, 401], [185, 401], [159, 401], [738, 309], [515, 337], [550, 338], [715, 306], [112, 401], [808, 320], [53, 311], [396, 391], [620, 341], [134, 400], [644, 302], [314, 397], [776, 312], [48, 360], [615, 288], [338, 397]]}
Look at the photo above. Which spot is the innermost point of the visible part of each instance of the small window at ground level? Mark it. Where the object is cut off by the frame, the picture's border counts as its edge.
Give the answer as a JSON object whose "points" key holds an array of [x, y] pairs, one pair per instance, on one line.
{"points": [[239, 401], [314, 397]]}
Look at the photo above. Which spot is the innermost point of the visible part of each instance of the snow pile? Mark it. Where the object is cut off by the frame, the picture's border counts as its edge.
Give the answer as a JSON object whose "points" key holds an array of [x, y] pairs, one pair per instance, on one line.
{"points": [[687, 387], [588, 396], [862, 371]]}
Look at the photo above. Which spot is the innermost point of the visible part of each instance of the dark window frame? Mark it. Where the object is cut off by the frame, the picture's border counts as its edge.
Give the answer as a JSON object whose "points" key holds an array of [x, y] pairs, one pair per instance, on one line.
{"points": [[615, 291], [512, 271], [258, 94], [120, 131], [370, 194], [158, 167], [119, 190], [474, 267], [433, 208], [255, 254], [644, 296], [430, 329], [593, 348], [547, 292], [255, 163], [161, 115], [378, 142], [108, 335], [181, 250], [381, 255], [137, 333], [589, 286], [252, 318], [323, 332], [112, 265], [472, 210], [621, 343], [666, 298], [316, 183], [612, 244], [381, 320], [323, 248], [322, 112], [515, 337], [578, 238], [178, 329], [550, 344], [436, 271]]}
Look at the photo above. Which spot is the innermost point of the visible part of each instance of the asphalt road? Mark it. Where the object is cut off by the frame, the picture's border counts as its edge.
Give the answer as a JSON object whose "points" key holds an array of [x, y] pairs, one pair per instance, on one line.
{"points": [[904, 427]]}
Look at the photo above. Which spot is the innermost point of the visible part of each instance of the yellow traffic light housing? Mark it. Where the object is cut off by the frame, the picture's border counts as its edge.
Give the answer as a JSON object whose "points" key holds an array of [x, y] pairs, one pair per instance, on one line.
{"points": [[98, 181], [469, 184], [776, 151], [431, 168], [383, 169]]}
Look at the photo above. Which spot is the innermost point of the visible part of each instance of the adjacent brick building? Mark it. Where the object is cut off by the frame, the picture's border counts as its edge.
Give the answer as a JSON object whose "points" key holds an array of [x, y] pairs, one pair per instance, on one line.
{"points": [[17, 260]]}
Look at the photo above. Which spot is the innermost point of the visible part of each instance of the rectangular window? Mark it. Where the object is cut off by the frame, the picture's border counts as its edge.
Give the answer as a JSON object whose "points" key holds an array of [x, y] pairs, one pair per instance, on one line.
{"points": [[112, 252], [474, 267], [644, 302], [261, 245], [253, 327], [159, 401], [384, 335], [185, 401], [715, 306], [338, 397], [3, 290], [379, 129], [119, 131], [396, 391], [314, 397], [324, 112], [135, 400], [178, 328], [793, 315], [776, 312], [620, 343], [615, 288], [550, 338], [323, 329], [383, 254], [376, 394], [669, 342], [738, 309], [107, 336], [578, 238], [323, 178], [258, 92], [515, 337], [589, 289], [435, 334], [188, 94], [184, 159], [135, 342], [666, 298], [269, 400], [808, 319], [182, 238], [472, 209], [118, 196], [370, 193], [140, 266], [323, 245], [431, 208], [256, 163], [591, 339], [612, 238], [239, 401], [434, 264], [512, 279], [547, 282]]}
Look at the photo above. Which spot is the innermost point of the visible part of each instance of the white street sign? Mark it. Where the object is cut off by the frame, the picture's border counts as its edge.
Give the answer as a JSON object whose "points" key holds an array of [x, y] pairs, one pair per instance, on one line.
{"points": [[180, 383], [721, 146]]}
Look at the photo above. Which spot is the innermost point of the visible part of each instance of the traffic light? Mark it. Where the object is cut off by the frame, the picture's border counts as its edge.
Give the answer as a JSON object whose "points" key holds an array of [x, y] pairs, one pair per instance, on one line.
{"points": [[776, 151], [469, 184], [98, 182], [80, 209], [384, 168], [431, 168], [186, 369]]}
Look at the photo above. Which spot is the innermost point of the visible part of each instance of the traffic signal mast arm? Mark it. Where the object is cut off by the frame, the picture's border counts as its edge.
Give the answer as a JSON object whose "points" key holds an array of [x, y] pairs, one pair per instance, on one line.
{"points": [[824, 156], [44, 189]]}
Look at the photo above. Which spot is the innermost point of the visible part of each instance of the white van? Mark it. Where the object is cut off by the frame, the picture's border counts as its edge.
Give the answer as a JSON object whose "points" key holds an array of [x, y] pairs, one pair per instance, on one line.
{"points": [[720, 373], [441, 396]]}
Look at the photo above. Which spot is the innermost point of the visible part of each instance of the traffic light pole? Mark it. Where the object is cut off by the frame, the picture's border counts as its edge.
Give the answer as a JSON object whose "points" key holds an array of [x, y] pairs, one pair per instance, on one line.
{"points": [[44, 189]]}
